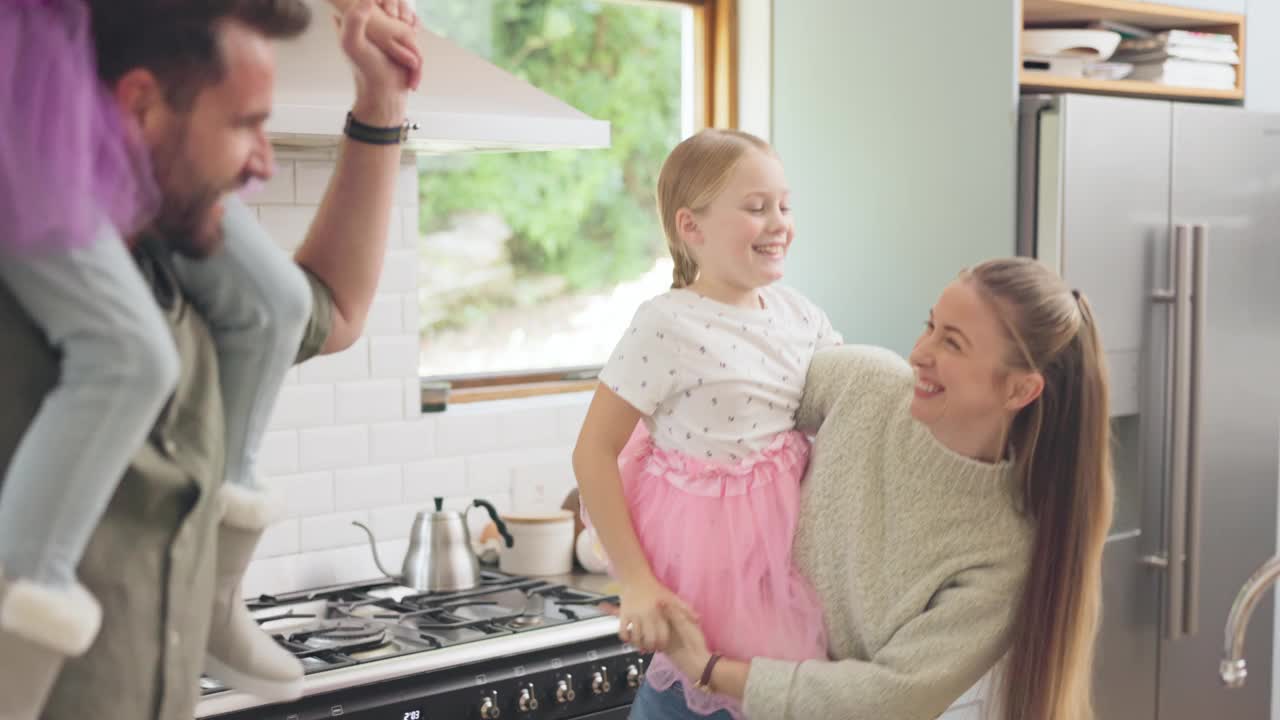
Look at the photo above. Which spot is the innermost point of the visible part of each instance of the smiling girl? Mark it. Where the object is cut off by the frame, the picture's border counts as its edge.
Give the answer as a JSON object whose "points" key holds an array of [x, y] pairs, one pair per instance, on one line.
{"points": [[689, 462]]}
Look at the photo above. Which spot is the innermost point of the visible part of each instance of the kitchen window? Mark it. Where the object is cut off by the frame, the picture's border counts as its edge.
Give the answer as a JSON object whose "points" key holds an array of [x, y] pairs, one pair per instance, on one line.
{"points": [[532, 264]]}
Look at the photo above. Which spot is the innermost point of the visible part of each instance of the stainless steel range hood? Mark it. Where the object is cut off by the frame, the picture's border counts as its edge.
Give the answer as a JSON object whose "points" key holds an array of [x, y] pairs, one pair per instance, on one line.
{"points": [[465, 103]]}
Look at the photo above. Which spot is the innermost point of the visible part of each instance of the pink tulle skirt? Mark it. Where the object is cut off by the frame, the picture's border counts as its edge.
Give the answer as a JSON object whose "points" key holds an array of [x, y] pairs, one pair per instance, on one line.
{"points": [[68, 158], [720, 537]]}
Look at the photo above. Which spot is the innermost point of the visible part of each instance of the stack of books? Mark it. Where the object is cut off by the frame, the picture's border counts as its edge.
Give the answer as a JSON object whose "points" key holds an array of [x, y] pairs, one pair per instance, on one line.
{"points": [[1182, 57]]}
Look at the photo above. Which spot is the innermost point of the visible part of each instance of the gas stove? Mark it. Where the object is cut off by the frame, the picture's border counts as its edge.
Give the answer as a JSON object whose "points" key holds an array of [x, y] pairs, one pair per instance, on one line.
{"points": [[514, 647]]}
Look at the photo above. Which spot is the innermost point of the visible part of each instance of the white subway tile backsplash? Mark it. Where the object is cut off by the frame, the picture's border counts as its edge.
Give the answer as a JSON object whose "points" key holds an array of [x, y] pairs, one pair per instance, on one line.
{"points": [[271, 576], [407, 185], [332, 448], [279, 189], [571, 418], [392, 553], [333, 531], [542, 485], [287, 224], [412, 398], [317, 569], [435, 478], [533, 428], [366, 488], [412, 313], [399, 272], [278, 453], [348, 440], [370, 401], [531, 497], [492, 473], [305, 494], [281, 538], [409, 227], [403, 441], [395, 234], [394, 523], [466, 434], [350, 364], [385, 315], [312, 180], [393, 357], [302, 406], [348, 564]]}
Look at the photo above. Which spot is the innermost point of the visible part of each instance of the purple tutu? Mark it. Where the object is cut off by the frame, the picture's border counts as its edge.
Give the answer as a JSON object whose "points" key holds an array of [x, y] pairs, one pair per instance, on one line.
{"points": [[68, 158]]}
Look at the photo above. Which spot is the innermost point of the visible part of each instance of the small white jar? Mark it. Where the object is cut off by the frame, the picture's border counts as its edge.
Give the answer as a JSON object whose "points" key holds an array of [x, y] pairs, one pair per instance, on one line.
{"points": [[544, 543]]}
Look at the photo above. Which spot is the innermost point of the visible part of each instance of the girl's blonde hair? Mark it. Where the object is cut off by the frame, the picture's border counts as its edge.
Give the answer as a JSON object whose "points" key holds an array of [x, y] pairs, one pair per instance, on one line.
{"points": [[693, 175], [1064, 479]]}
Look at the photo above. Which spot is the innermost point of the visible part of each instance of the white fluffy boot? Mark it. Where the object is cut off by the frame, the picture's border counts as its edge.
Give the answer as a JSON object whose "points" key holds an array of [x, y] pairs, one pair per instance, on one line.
{"points": [[40, 627], [240, 654]]}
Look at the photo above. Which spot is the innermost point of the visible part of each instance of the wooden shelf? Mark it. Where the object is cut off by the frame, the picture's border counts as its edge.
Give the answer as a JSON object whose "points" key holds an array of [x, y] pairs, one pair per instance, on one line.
{"points": [[1142, 14], [1077, 13], [1137, 88], [508, 392]]}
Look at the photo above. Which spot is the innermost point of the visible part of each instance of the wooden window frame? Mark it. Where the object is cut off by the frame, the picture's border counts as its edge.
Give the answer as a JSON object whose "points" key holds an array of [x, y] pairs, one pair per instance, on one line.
{"points": [[715, 25], [716, 42]]}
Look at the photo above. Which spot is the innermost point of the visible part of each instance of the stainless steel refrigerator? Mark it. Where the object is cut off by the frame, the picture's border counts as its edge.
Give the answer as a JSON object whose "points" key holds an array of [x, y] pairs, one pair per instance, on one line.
{"points": [[1168, 216]]}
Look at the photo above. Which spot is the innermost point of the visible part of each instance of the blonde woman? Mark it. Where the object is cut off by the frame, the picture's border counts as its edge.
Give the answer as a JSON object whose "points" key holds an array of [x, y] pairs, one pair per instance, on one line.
{"points": [[955, 513], [689, 463]]}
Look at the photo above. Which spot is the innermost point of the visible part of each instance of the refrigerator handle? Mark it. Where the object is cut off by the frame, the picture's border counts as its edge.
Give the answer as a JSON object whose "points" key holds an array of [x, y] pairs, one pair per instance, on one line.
{"points": [[1030, 110], [1173, 559], [1191, 602]]}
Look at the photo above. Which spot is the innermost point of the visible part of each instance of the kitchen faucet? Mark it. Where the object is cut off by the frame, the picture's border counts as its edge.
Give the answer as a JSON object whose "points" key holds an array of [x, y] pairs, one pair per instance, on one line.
{"points": [[1232, 669]]}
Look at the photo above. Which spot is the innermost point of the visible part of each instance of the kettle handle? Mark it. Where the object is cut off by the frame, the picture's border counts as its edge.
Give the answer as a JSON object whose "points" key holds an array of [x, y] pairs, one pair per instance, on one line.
{"points": [[493, 513]]}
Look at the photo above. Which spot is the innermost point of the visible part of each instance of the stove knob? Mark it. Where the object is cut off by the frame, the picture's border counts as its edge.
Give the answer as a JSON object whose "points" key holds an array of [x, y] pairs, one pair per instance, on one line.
{"points": [[489, 709], [635, 676], [564, 690], [528, 702], [600, 681]]}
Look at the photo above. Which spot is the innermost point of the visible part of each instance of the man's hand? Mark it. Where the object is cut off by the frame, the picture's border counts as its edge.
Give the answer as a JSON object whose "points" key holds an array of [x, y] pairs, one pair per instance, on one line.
{"points": [[382, 83]]}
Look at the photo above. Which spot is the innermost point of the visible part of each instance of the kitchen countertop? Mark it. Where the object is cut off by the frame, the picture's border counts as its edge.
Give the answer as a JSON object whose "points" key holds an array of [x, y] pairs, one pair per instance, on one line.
{"points": [[591, 582]]}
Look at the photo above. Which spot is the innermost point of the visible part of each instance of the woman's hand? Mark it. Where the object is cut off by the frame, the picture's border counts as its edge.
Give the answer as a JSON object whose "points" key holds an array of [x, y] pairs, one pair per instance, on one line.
{"points": [[686, 645], [642, 618]]}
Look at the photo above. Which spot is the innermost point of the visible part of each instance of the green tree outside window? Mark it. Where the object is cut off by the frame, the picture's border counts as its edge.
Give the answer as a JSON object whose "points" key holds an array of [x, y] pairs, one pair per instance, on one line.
{"points": [[585, 217]]}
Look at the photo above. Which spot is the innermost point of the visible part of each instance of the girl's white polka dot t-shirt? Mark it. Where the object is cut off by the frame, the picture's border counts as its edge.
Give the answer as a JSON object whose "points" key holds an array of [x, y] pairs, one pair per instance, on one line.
{"points": [[715, 381]]}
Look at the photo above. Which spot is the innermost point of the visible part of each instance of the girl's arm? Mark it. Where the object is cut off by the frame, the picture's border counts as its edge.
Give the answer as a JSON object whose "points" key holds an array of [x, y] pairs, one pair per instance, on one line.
{"points": [[609, 423]]}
